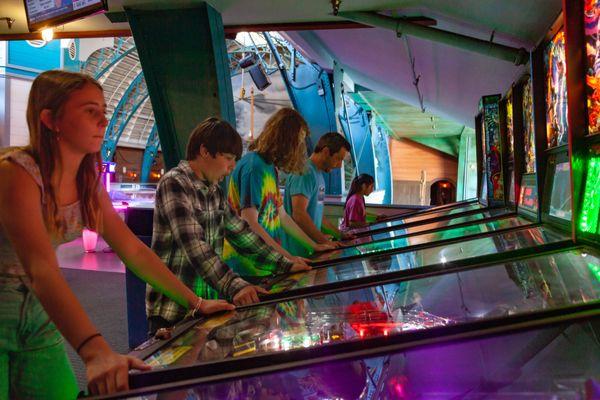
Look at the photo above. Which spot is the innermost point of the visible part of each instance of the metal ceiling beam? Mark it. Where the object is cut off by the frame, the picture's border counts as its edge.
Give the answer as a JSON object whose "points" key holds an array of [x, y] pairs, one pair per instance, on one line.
{"points": [[132, 99], [150, 153], [402, 26]]}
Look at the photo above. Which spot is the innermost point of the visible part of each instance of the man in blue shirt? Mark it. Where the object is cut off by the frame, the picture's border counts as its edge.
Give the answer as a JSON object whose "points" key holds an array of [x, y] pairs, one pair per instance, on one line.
{"points": [[305, 193]]}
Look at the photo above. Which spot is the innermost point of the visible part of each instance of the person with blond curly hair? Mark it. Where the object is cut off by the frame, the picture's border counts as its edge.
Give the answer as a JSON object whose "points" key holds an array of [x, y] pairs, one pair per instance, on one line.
{"points": [[253, 190]]}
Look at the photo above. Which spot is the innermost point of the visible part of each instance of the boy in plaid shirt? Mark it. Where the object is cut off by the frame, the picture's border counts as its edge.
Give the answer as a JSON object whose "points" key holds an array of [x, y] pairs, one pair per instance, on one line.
{"points": [[191, 219]]}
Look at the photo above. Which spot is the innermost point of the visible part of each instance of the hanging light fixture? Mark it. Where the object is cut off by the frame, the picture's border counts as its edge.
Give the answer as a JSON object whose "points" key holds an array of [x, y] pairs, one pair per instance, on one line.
{"points": [[48, 34]]}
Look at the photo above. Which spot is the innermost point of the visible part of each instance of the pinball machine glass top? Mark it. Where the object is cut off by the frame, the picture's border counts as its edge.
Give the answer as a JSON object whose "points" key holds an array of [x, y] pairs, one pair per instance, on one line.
{"points": [[421, 304]]}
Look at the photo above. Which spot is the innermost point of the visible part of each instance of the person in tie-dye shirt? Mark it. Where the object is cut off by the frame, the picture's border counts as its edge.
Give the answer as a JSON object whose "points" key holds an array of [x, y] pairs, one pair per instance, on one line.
{"points": [[253, 191]]}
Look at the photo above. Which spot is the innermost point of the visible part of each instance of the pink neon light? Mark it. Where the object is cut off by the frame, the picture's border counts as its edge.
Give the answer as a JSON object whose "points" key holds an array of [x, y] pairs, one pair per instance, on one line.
{"points": [[107, 176]]}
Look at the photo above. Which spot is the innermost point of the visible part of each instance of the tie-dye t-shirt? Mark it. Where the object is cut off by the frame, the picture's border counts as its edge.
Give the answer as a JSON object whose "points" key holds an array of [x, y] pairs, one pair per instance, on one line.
{"points": [[253, 183]]}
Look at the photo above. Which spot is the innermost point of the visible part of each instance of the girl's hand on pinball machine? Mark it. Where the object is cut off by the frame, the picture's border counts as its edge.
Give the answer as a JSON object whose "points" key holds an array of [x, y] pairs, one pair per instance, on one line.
{"points": [[213, 306], [107, 372]]}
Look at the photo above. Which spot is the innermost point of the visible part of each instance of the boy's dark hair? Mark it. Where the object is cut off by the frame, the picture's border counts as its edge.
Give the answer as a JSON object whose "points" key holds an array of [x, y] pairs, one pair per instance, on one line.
{"points": [[333, 141], [217, 136]]}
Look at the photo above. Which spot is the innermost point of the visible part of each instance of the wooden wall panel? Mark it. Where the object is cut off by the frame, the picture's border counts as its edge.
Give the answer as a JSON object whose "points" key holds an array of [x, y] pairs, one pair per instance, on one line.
{"points": [[408, 160]]}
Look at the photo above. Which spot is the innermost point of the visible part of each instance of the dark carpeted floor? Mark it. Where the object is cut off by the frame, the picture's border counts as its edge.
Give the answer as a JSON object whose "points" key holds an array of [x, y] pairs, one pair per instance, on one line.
{"points": [[102, 295]]}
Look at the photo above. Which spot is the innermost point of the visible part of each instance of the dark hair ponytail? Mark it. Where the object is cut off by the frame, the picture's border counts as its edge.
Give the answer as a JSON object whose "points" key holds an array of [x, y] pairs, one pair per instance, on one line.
{"points": [[357, 184]]}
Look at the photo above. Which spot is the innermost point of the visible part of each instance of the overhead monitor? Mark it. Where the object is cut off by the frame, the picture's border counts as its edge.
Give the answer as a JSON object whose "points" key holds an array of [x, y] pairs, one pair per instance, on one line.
{"points": [[259, 77], [43, 14]]}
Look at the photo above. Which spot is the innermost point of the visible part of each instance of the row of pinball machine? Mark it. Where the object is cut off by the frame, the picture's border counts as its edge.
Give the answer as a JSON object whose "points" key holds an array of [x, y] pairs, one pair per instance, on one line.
{"points": [[495, 297]]}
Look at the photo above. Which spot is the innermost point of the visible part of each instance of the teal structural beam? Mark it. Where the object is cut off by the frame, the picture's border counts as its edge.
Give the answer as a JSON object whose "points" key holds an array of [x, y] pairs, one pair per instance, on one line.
{"points": [[186, 66], [356, 125], [116, 57], [311, 93], [383, 163], [107, 57], [150, 153], [135, 95]]}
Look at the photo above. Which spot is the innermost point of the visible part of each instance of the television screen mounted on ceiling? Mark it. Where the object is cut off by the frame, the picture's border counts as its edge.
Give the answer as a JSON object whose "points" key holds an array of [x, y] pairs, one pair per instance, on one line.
{"points": [[42, 14]]}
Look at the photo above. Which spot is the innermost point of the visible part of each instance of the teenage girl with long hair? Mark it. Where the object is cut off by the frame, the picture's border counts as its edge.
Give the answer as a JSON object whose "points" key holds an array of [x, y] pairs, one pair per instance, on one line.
{"points": [[50, 191]]}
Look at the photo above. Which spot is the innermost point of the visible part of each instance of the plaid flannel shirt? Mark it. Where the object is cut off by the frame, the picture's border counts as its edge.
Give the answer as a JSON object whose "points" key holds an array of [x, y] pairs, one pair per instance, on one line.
{"points": [[191, 220]]}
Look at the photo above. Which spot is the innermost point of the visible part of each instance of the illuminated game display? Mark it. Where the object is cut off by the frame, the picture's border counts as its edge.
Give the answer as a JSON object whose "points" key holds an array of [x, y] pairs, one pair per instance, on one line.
{"points": [[492, 146], [511, 145], [509, 126], [590, 211], [592, 41], [494, 156], [556, 93], [484, 176], [528, 132], [560, 199], [528, 196]]}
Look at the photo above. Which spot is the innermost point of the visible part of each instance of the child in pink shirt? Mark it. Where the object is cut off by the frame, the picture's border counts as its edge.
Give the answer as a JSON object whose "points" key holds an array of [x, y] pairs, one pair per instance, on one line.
{"points": [[355, 214]]}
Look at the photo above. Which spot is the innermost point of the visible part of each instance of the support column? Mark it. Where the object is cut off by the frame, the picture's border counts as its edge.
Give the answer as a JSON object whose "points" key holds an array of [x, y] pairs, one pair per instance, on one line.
{"points": [[185, 64]]}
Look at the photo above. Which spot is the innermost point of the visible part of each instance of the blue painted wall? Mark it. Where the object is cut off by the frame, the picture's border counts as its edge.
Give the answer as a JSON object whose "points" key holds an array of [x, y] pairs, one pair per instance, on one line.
{"points": [[21, 54], [68, 63]]}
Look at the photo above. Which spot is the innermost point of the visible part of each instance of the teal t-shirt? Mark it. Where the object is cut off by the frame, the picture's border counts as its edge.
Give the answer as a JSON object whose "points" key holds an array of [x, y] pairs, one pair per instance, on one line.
{"points": [[310, 184]]}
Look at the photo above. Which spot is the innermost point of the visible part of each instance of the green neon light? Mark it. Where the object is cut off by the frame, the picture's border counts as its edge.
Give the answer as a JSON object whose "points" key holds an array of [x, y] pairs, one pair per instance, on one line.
{"points": [[588, 221], [595, 270]]}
